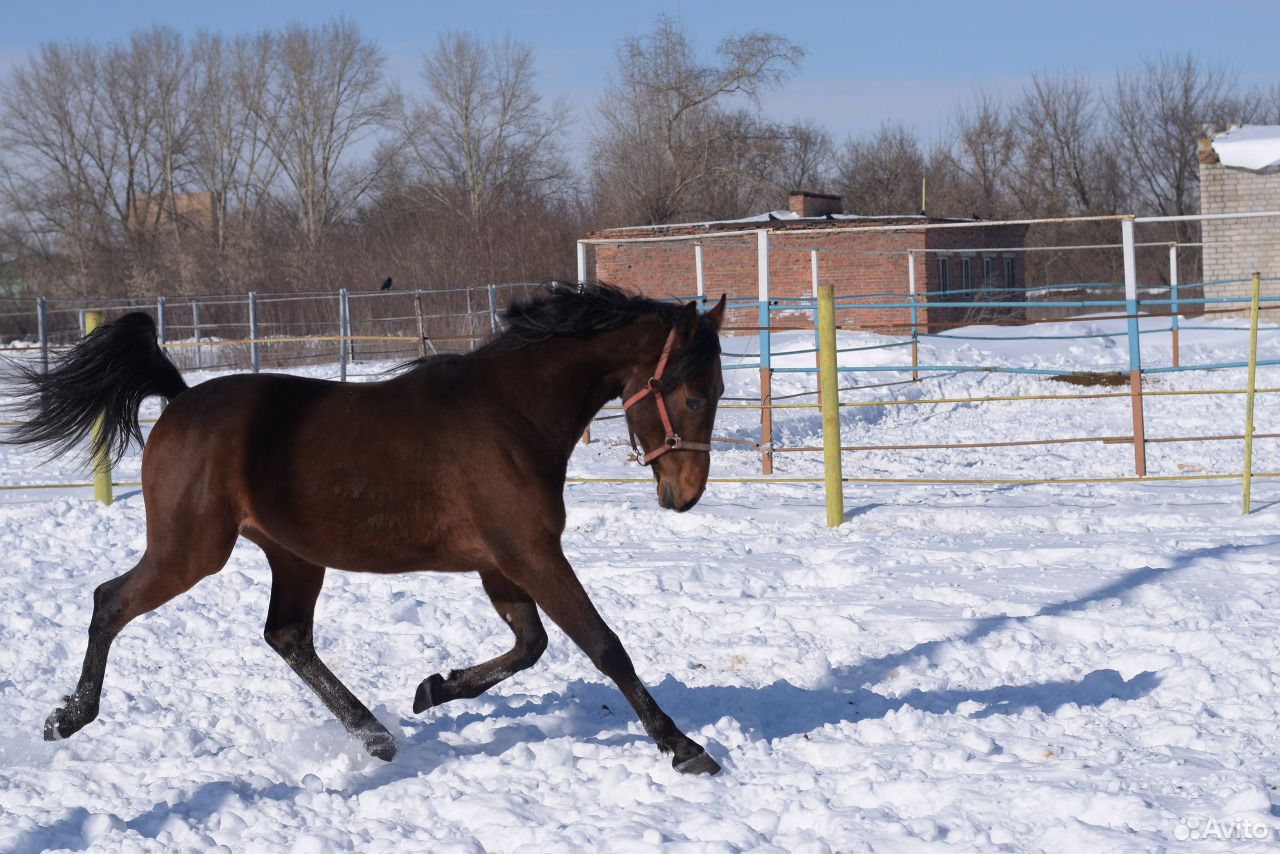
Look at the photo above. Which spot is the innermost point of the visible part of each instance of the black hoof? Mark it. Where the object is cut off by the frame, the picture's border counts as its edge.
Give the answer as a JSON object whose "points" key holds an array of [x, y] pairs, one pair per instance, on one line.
{"points": [[66, 722], [53, 728], [700, 763], [429, 694], [382, 747]]}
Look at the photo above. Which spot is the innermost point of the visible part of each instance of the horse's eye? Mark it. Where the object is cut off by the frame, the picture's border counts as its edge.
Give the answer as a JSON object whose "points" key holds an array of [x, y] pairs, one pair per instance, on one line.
{"points": [[693, 403]]}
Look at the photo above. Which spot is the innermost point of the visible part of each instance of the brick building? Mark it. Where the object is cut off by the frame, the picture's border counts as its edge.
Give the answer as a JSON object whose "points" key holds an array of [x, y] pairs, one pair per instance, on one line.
{"points": [[1240, 171], [864, 258]]}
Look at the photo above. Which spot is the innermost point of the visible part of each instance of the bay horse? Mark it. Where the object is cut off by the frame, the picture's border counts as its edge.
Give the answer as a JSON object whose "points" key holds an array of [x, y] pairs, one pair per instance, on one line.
{"points": [[456, 464]]}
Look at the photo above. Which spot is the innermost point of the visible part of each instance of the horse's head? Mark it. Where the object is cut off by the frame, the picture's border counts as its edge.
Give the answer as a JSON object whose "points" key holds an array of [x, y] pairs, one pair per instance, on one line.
{"points": [[671, 406]]}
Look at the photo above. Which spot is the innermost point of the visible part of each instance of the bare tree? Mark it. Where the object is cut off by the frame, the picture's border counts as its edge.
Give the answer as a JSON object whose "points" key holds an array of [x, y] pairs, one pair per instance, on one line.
{"points": [[230, 158], [133, 151], [1269, 107], [1157, 115], [483, 136], [665, 134], [882, 173], [52, 112], [1066, 160], [326, 98], [804, 158], [982, 151]]}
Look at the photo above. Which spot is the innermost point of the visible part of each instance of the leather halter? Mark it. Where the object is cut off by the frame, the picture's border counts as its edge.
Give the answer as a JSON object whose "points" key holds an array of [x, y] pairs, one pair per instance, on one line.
{"points": [[673, 441]]}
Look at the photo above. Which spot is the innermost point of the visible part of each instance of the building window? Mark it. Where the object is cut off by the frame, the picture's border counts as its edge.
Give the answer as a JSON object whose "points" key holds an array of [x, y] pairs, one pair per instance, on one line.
{"points": [[944, 274], [988, 271], [966, 274], [1008, 273]]}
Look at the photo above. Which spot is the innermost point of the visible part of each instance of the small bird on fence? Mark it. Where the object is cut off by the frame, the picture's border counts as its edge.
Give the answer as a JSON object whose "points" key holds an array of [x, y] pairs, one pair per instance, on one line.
{"points": [[386, 286]]}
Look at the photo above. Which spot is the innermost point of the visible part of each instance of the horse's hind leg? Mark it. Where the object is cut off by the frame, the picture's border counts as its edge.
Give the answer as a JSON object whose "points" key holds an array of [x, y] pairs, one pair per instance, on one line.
{"points": [[295, 586], [559, 593], [517, 608], [162, 574]]}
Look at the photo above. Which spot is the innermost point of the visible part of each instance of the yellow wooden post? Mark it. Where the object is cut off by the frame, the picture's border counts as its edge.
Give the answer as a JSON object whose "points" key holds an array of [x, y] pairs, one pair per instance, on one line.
{"points": [[1252, 386], [829, 381], [102, 459]]}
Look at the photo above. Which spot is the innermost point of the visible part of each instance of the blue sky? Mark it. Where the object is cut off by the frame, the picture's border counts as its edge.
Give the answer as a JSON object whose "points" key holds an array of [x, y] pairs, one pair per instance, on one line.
{"points": [[868, 63]]}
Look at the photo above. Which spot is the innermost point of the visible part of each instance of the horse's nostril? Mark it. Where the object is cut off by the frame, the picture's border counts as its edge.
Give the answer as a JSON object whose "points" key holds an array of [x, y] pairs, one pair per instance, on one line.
{"points": [[668, 496]]}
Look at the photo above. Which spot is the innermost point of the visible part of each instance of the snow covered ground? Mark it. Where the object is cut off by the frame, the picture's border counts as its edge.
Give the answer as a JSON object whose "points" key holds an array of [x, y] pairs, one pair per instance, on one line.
{"points": [[1056, 667]]}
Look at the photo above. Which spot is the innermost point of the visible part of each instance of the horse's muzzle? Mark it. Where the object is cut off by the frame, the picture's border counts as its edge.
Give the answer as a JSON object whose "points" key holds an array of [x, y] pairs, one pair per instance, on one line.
{"points": [[668, 499]]}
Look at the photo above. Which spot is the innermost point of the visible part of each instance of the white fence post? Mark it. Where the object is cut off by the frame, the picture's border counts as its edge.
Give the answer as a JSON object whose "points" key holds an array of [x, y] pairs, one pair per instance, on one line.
{"points": [[766, 351], [1135, 348], [1173, 300], [582, 260], [915, 315], [699, 273], [817, 333]]}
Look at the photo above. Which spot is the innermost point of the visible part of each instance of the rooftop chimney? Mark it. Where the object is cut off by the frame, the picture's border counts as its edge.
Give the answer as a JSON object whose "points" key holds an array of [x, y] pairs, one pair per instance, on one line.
{"points": [[807, 204]]}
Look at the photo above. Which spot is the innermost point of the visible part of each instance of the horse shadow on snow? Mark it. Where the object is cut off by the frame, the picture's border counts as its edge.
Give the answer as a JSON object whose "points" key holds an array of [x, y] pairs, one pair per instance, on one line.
{"points": [[584, 710]]}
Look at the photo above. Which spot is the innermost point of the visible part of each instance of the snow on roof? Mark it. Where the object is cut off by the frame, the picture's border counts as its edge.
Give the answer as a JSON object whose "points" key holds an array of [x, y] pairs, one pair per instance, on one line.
{"points": [[1255, 147]]}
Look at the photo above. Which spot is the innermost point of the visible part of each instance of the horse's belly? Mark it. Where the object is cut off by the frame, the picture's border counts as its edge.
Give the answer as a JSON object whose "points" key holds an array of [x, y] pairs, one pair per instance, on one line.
{"points": [[391, 524]]}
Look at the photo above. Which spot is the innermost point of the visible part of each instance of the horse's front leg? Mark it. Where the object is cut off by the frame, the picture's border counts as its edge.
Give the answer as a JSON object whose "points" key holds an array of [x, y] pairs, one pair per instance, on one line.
{"points": [[515, 607], [555, 587]]}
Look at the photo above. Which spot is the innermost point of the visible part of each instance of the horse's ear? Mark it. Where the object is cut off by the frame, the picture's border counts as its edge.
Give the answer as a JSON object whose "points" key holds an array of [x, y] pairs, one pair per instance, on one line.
{"points": [[687, 323], [716, 315]]}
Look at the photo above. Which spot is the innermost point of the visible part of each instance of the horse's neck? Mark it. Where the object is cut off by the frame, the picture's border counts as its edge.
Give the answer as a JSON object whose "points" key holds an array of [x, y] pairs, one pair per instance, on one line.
{"points": [[566, 380]]}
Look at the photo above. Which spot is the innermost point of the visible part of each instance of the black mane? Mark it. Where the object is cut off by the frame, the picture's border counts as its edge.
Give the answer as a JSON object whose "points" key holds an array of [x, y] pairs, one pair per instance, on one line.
{"points": [[582, 310]]}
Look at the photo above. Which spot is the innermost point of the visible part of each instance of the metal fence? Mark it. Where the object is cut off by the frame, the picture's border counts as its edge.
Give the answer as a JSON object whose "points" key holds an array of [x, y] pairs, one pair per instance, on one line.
{"points": [[258, 331]]}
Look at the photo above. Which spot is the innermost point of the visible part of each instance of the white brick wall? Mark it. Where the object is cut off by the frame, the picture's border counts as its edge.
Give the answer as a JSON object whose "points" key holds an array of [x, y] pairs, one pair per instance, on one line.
{"points": [[1236, 248]]}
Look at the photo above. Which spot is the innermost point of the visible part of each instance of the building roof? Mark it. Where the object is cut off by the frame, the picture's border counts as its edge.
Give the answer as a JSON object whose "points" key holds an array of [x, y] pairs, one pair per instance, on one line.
{"points": [[774, 219], [1253, 147]]}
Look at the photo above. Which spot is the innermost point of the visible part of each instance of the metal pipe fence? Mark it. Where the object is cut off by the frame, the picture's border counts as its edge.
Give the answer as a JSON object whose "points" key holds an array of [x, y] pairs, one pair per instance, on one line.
{"points": [[258, 331]]}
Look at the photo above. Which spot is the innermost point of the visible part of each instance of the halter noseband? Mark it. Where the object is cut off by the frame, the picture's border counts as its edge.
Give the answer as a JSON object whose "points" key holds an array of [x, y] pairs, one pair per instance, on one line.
{"points": [[673, 441]]}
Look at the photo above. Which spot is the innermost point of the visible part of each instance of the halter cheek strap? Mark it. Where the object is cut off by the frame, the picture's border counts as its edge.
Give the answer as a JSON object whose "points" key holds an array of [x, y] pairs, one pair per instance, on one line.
{"points": [[672, 441]]}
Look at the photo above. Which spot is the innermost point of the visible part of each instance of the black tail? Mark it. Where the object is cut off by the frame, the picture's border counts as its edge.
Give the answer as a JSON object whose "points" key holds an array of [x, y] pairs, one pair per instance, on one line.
{"points": [[109, 373]]}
